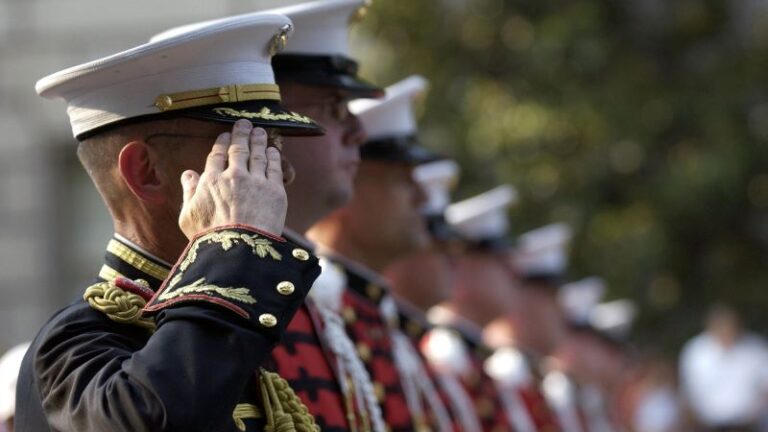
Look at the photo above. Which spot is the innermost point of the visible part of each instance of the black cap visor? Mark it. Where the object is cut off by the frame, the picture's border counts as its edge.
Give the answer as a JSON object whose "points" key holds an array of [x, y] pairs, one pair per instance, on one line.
{"points": [[326, 71], [404, 149], [262, 113]]}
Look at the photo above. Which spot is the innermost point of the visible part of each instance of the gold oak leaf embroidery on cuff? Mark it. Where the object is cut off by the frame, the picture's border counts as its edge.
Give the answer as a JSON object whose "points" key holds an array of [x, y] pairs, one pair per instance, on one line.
{"points": [[200, 287], [259, 246]]}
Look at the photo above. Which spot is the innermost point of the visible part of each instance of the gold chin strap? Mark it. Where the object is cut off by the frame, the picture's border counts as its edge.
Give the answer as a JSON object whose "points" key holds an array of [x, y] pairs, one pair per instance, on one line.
{"points": [[211, 96], [284, 411]]}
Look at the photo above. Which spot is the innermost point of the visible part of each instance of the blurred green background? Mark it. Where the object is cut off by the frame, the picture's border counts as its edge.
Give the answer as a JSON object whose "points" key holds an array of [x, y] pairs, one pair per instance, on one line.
{"points": [[642, 124]]}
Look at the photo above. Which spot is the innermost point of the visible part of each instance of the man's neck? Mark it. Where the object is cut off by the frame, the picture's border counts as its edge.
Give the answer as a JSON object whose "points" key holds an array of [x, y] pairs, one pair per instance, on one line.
{"points": [[499, 333], [166, 247], [333, 237], [446, 314]]}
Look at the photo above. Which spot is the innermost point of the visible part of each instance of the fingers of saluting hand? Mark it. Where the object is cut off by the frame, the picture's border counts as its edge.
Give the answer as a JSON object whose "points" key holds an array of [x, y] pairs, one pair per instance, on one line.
{"points": [[274, 165], [217, 158], [189, 180], [257, 162], [239, 148]]}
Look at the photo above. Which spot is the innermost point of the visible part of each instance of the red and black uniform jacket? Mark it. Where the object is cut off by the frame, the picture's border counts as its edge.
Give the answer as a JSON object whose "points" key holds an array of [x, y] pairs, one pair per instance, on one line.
{"points": [[189, 361]]}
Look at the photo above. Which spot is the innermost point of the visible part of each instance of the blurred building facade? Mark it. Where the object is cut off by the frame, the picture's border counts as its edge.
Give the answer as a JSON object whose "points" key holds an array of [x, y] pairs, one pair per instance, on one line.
{"points": [[53, 226]]}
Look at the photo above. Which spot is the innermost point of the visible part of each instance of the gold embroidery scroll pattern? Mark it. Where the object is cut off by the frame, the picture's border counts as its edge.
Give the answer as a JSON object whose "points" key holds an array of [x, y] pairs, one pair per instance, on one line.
{"points": [[245, 411], [284, 410], [200, 287], [264, 114], [117, 304]]}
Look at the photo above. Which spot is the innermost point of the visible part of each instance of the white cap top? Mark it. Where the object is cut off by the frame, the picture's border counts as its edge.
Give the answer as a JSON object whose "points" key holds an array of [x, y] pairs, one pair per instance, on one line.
{"points": [[322, 27], [132, 83], [10, 363], [614, 317], [393, 115], [579, 298], [437, 179], [543, 251], [483, 216]]}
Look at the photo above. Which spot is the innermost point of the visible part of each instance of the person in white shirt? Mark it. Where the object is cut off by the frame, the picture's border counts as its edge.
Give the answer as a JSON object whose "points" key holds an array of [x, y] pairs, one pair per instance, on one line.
{"points": [[724, 374]]}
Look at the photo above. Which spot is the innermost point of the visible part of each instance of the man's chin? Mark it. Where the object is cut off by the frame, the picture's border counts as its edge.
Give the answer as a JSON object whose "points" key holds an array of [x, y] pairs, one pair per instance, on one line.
{"points": [[340, 196]]}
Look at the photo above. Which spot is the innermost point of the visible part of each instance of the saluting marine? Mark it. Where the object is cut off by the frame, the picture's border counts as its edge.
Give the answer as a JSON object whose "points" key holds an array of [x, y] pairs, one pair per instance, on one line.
{"points": [[150, 347]]}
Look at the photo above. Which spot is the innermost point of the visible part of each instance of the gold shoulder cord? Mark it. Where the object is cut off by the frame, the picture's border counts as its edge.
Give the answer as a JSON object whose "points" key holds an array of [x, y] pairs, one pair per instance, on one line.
{"points": [[117, 304], [284, 410]]}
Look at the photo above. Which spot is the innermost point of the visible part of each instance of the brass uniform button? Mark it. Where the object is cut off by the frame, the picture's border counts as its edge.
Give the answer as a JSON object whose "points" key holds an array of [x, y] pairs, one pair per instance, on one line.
{"points": [[163, 102], [373, 292], [413, 329], [484, 408], [378, 390], [364, 351], [300, 254], [267, 320], [285, 288], [348, 314]]}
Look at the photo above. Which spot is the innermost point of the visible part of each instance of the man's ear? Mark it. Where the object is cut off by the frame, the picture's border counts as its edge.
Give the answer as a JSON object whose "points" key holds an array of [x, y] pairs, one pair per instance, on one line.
{"points": [[139, 171]]}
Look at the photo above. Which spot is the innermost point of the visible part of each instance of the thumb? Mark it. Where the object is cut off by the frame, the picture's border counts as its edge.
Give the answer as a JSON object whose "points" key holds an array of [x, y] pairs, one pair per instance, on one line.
{"points": [[189, 181]]}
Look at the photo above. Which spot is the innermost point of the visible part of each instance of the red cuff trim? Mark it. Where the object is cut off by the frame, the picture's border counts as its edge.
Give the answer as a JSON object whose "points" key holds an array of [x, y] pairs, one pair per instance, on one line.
{"points": [[239, 226], [199, 297], [216, 300]]}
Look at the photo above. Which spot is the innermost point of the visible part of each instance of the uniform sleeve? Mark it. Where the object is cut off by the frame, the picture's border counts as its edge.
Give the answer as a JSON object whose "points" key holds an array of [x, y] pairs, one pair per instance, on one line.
{"points": [[218, 315]]}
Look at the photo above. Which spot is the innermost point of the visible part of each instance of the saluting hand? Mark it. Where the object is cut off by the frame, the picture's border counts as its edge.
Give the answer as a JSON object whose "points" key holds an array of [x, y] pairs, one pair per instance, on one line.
{"points": [[242, 184]]}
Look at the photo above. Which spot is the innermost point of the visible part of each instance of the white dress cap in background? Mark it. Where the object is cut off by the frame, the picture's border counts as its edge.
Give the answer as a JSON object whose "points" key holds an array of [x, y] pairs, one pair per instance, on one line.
{"points": [[437, 179], [578, 299], [483, 216], [543, 251], [322, 27], [614, 318], [393, 115]]}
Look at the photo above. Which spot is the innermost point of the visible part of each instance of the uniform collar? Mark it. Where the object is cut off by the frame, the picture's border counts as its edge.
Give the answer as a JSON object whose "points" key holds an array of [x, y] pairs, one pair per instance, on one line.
{"points": [[126, 259], [361, 280], [471, 333], [413, 322]]}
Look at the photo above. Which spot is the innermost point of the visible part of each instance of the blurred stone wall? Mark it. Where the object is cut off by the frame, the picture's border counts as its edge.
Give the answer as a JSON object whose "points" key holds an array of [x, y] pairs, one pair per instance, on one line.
{"points": [[53, 227]]}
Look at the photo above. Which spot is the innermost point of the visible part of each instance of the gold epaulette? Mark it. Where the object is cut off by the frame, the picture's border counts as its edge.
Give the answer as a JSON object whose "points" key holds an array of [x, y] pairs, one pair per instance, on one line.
{"points": [[119, 304]]}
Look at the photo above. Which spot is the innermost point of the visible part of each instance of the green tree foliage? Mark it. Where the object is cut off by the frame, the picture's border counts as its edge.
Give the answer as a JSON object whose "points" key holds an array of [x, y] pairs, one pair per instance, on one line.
{"points": [[641, 123]]}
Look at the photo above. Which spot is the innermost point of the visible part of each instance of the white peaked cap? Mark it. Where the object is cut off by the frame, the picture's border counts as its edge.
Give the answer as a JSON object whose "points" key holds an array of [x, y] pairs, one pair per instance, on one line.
{"points": [[10, 364], [579, 298], [228, 62], [322, 27], [393, 115], [437, 179], [483, 216], [543, 251], [614, 317]]}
